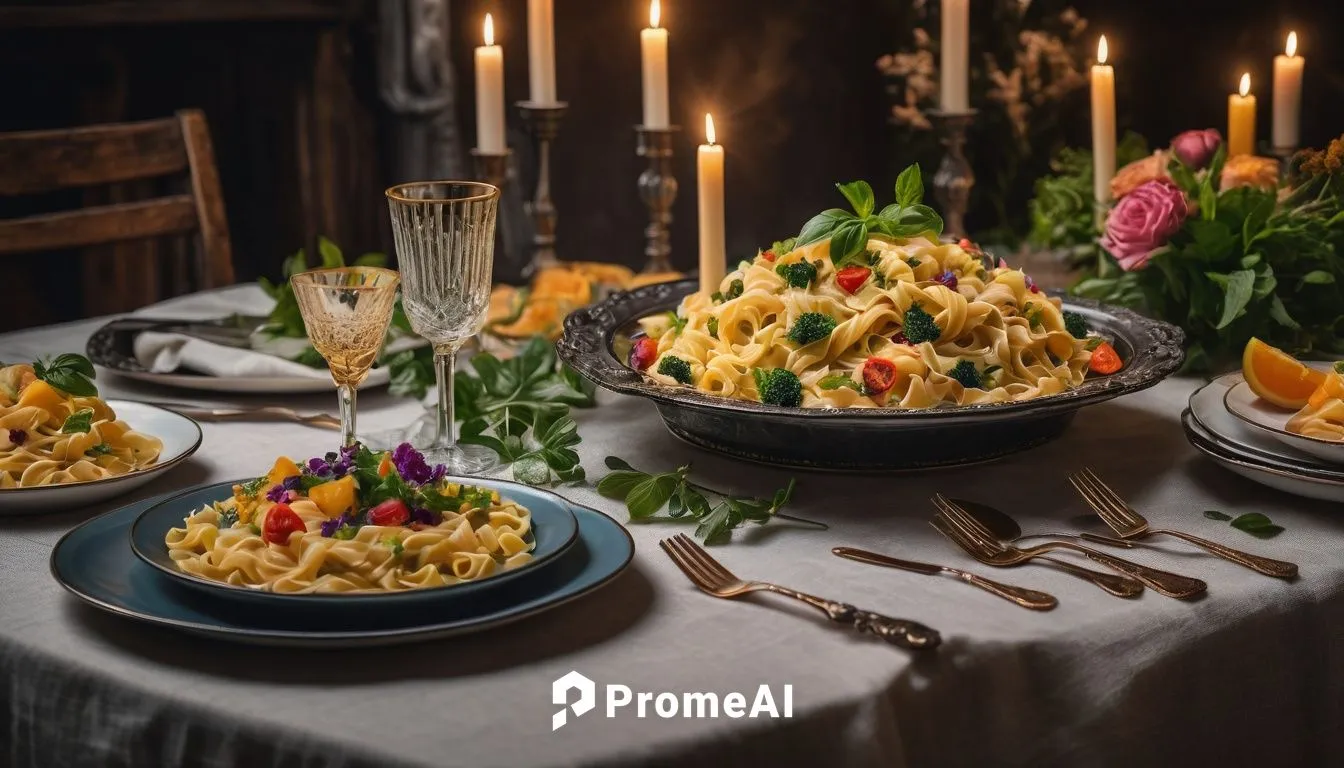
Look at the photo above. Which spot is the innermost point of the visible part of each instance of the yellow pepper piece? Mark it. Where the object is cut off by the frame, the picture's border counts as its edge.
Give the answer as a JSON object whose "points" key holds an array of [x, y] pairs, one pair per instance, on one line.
{"points": [[284, 467], [334, 497], [42, 395]]}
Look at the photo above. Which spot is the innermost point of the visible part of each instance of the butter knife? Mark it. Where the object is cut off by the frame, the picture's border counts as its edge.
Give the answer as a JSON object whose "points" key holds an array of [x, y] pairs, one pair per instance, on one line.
{"points": [[1027, 598], [259, 414]]}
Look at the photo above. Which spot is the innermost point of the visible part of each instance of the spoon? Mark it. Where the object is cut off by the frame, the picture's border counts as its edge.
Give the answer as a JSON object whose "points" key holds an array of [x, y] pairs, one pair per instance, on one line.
{"points": [[1006, 529]]}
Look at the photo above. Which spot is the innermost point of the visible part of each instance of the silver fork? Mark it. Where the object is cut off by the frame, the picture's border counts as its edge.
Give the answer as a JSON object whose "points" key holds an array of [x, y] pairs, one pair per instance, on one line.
{"points": [[253, 413], [712, 578], [997, 552], [1129, 524]]}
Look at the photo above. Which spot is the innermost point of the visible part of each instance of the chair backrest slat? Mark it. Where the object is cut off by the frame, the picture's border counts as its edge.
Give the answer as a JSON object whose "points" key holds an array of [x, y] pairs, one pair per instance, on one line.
{"points": [[161, 216], [42, 161]]}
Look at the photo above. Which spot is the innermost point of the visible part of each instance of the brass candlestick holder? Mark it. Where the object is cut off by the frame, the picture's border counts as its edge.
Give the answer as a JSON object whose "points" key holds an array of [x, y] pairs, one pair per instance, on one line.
{"points": [[954, 178], [491, 167], [658, 190], [543, 124]]}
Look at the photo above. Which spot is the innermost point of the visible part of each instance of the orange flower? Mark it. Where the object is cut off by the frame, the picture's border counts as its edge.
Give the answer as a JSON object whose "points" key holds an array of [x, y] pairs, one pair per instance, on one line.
{"points": [[1138, 173], [1250, 171]]}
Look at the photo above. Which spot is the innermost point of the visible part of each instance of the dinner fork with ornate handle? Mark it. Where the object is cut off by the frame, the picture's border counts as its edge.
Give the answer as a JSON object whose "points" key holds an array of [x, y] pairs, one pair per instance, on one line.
{"points": [[712, 578], [1001, 553], [1026, 598], [1129, 524]]}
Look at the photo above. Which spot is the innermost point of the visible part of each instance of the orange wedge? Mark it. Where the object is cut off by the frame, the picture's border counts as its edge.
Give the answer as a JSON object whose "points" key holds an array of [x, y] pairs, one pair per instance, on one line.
{"points": [[1277, 377], [1331, 389]]}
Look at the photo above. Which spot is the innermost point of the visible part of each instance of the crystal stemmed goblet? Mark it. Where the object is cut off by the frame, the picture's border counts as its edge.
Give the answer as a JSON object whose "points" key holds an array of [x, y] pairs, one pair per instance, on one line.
{"points": [[346, 312], [445, 237]]}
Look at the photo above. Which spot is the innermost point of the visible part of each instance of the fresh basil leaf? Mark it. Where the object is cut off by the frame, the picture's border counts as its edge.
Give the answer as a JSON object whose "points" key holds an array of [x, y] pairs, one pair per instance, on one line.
{"points": [[909, 221], [79, 421], [76, 363], [1236, 295], [821, 226], [649, 496], [910, 186], [1250, 521], [101, 449], [1214, 514], [860, 195], [848, 241], [839, 380]]}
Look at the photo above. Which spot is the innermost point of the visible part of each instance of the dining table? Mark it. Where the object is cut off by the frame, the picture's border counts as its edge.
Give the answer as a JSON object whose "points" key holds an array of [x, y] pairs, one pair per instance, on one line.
{"points": [[1250, 673]]}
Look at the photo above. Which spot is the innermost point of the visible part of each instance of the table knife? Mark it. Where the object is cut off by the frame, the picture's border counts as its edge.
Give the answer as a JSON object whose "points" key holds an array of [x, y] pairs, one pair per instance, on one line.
{"points": [[1027, 598]]}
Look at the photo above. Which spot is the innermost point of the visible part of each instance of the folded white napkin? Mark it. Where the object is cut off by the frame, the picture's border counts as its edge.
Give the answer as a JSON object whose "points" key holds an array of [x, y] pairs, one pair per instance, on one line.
{"points": [[268, 358]]}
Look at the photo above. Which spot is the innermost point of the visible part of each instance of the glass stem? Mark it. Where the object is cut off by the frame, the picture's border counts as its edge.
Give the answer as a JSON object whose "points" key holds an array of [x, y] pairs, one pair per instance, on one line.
{"points": [[445, 359], [346, 394]]}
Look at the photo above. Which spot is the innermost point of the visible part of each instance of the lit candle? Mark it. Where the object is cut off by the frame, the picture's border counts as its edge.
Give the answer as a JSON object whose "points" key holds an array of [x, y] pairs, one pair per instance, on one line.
{"points": [[490, 93], [1241, 119], [1103, 129], [1287, 95], [653, 47], [541, 50], [955, 57], [713, 244]]}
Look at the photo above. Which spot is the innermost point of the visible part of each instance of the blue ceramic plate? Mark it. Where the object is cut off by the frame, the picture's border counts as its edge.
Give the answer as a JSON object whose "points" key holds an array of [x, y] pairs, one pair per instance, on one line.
{"points": [[553, 527], [95, 564]]}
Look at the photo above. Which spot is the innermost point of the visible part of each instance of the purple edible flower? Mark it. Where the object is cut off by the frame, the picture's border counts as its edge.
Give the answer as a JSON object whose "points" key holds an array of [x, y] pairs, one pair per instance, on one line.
{"points": [[411, 465], [284, 491], [330, 526], [342, 464], [947, 279], [426, 516], [18, 436], [319, 466], [1031, 284], [1002, 264]]}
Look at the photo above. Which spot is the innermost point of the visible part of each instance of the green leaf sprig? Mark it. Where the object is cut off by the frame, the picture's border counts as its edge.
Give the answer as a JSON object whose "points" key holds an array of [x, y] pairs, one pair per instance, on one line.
{"points": [[1255, 523], [646, 494], [79, 421], [541, 454], [70, 373], [849, 232]]}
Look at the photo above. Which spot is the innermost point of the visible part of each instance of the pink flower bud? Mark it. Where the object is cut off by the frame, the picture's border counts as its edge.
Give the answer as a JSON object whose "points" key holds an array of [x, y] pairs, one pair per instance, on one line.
{"points": [[1196, 148]]}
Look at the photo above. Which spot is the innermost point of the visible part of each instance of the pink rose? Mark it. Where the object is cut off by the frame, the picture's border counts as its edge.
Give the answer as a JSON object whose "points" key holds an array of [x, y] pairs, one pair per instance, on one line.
{"points": [[1143, 221], [1196, 148]]}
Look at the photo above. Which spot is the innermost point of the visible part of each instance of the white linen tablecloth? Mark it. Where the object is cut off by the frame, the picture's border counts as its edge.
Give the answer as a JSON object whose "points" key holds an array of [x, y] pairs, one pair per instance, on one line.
{"points": [[1252, 674]]}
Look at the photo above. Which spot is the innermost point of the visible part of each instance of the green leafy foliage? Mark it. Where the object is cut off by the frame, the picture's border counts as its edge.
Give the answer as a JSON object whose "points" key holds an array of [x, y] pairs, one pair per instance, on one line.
{"points": [[70, 373], [520, 409], [677, 368], [919, 326], [810, 327], [101, 449], [778, 386], [645, 495], [1063, 212], [1256, 524], [849, 232], [1250, 264]]}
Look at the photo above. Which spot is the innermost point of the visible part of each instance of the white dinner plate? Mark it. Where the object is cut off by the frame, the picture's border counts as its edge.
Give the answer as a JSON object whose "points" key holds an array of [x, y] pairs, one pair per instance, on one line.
{"points": [[180, 435], [1281, 478], [258, 385], [1231, 433], [1242, 402]]}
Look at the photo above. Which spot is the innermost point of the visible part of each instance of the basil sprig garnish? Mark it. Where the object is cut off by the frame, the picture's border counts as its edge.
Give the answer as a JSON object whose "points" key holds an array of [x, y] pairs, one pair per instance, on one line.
{"points": [[849, 232], [70, 373]]}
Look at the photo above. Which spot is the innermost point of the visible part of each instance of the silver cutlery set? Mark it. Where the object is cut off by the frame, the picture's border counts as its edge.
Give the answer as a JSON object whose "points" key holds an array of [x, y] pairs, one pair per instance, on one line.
{"points": [[993, 538]]}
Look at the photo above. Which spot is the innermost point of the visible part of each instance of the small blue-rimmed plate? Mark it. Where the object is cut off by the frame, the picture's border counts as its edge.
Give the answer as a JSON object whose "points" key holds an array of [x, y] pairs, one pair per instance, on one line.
{"points": [[180, 435], [95, 564], [554, 529]]}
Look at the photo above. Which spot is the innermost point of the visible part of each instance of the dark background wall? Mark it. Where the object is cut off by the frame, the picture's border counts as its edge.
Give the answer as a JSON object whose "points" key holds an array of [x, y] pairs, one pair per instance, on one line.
{"points": [[792, 84]]}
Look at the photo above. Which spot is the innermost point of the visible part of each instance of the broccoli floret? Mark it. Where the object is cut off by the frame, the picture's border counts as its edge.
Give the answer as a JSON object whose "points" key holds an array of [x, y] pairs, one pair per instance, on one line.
{"points": [[810, 327], [778, 386], [712, 325], [965, 372], [735, 289], [1075, 324], [919, 326], [799, 274], [676, 368]]}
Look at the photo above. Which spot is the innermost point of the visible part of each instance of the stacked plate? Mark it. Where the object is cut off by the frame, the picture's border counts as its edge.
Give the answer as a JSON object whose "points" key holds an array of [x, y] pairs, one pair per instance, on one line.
{"points": [[119, 563], [1231, 425]]}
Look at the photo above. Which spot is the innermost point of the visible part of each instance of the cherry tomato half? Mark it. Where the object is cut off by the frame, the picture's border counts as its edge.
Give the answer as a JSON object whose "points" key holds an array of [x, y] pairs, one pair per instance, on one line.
{"points": [[850, 279], [643, 352], [281, 521], [390, 513], [879, 375]]}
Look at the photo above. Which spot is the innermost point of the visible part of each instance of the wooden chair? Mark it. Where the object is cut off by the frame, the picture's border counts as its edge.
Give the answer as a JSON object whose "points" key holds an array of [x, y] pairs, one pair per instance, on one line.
{"points": [[174, 150]]}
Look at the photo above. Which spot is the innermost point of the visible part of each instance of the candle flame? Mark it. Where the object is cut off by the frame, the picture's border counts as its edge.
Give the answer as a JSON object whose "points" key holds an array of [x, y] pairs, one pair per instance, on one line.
{"points": [[1245, 84], [489, 30], [656, 14], [1102, 50], [1290, 49], [709, 128]]}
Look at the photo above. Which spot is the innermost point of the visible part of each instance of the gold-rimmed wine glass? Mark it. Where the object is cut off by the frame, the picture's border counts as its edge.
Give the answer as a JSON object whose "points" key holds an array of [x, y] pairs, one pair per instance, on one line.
{"points": [[445, 237], [346, 312]]}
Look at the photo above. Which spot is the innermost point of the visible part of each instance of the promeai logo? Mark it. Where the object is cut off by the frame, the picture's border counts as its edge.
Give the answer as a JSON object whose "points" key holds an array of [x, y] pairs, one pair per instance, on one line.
{"points": [[560, 695], [668, 704]]}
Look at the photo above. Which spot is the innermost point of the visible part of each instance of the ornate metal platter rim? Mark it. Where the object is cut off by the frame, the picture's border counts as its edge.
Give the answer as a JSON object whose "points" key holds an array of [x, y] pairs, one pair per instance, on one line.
{"points": [[1156, 350]]}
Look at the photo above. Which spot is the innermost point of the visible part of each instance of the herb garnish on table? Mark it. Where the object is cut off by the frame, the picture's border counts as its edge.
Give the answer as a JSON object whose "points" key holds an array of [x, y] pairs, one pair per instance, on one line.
{"points": [[646, 494]]}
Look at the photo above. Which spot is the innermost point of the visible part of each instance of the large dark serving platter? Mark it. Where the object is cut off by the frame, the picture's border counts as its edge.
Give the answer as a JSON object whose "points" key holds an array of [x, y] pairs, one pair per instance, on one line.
{"points": [[597, 339]]}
